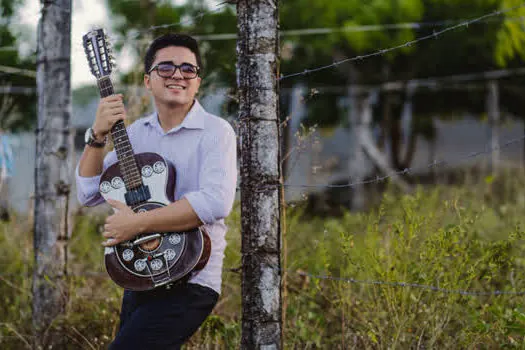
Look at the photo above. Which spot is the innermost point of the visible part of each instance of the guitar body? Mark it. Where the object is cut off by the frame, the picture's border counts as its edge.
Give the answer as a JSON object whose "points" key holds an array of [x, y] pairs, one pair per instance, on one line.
{"points": [[164, 257]]}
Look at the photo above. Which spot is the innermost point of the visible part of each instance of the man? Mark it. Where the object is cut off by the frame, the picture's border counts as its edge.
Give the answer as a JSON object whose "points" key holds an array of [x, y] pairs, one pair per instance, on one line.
{"points": [[202, 147], [6, 170]]}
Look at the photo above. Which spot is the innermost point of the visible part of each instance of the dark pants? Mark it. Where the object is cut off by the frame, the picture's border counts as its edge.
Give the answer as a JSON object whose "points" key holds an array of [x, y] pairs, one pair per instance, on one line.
{"points": [[163, 319]]}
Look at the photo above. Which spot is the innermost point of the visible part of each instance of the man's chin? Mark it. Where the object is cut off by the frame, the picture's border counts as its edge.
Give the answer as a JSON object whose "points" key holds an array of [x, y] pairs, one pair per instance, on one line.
{"points": [[174, 103], [174, 99]]}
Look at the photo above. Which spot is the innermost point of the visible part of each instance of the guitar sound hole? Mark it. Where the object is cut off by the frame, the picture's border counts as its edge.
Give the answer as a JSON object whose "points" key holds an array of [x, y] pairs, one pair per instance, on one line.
{"points": [[150, 245]]}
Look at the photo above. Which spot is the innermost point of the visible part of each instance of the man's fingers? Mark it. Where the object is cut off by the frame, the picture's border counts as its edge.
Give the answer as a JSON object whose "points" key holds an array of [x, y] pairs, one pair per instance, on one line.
{"points": [[115, 97], [116, 111], [110, 242], [117, 117]]}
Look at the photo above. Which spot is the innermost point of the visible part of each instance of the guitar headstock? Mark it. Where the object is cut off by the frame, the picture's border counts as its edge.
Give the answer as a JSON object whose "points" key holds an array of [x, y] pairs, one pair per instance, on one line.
{"points": [[98, 52]]}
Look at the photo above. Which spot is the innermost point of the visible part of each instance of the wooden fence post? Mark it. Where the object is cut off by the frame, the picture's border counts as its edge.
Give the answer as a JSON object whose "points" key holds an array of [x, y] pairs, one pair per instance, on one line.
{"points": [[52, 171], [257, 72]]}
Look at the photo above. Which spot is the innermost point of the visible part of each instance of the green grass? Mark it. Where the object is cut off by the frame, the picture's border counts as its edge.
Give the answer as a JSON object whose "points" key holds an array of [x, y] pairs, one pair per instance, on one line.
{"points": [[455, 238]]}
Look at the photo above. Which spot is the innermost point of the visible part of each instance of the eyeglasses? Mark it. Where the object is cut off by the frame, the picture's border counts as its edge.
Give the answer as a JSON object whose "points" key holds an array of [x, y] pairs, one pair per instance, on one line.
{"points": [[167, 69]]}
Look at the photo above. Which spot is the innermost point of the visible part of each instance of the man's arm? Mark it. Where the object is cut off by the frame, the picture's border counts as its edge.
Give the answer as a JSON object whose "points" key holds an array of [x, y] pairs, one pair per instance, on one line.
{"points": [[126, 224], [109, 111], [212, 202], [91, 164]]}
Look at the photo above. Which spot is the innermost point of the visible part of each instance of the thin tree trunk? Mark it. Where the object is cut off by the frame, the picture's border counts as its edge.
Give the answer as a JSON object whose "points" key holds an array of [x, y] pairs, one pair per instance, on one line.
{"points": [[52, 174], [410, 150], [494, 123], [410, 136], [369, 147], [357, 160], [257, 50]]}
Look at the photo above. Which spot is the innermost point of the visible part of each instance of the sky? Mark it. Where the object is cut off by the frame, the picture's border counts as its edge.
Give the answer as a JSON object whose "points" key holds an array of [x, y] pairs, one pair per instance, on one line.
{"points": [[86, 15]]}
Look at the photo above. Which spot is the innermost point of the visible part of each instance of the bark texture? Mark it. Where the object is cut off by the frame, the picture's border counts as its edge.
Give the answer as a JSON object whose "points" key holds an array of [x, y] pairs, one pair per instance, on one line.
{"points": [[52, 168], [257, 54]]}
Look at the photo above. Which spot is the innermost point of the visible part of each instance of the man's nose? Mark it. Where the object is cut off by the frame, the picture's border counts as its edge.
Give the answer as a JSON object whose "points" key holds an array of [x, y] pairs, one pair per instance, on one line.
{"points": [[177, 74]]}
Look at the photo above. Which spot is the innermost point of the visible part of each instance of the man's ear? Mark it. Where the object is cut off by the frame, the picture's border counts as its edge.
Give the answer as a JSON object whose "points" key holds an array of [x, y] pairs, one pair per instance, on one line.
{"points": [[147, 82]]}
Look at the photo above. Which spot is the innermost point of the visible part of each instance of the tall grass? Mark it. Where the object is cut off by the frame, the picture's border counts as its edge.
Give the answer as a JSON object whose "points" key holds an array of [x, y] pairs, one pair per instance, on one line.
{"points": [[467, 238]]}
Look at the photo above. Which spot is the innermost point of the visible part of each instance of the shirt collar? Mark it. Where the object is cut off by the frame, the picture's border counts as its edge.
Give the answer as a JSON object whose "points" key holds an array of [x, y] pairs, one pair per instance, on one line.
{"points": [[193, 120]]}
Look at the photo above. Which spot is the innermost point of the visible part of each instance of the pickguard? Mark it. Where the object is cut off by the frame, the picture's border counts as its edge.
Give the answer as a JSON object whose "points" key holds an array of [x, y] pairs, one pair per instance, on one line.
{"points": [[155, 177]]}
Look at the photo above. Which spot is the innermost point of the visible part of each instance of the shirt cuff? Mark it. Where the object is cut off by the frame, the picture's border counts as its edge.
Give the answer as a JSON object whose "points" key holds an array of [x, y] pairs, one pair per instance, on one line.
{"points": [[87, 189], [200, 206]]}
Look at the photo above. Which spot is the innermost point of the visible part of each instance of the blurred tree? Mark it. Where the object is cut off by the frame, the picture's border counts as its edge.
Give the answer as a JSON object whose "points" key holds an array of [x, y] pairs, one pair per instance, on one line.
{"points": [[17, 109], [135, 19], [489, 44]]}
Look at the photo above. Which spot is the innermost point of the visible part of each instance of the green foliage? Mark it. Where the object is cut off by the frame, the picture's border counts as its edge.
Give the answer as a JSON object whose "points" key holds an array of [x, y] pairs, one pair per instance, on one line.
{"points": [[456, 239], [18, 111], [511, 36]]}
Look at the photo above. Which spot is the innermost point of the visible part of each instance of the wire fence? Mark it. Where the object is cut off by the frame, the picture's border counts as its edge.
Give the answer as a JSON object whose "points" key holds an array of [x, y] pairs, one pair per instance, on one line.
{"points": [[4, 277], [397, 47], [460, 160], [326, 277]]}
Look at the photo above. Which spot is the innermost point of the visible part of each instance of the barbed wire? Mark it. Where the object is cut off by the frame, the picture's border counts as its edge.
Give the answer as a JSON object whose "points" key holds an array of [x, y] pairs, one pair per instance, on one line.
{"points": [[133, 35], [18, 71], [432, 82], [406, 44], [8, 48], [407, 171], [350, 29], [300, 272], [378, 179], [408, 285]]}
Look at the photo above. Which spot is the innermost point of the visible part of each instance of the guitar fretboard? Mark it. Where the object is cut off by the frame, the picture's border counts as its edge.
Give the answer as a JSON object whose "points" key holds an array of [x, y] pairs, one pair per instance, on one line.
{"points": [[127, 164]]}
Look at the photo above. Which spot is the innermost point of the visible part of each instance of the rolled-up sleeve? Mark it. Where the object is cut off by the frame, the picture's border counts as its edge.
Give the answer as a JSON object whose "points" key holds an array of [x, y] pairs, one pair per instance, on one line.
{"points": [[87, 187], [217, 177]]}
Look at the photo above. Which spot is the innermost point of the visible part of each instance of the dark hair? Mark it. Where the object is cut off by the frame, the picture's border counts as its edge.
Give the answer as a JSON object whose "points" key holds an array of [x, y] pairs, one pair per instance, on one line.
{"points": [[171, 39]]}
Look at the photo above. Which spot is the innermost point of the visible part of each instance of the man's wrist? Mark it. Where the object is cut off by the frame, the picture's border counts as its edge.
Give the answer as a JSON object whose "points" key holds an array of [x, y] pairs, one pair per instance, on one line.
{"points": [[92, 140], [99, 137], [141, 222]]}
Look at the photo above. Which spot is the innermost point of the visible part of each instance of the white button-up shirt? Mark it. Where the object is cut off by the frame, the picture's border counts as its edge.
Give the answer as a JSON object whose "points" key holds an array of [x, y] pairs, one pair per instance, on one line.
{"points": [[203, 149]]}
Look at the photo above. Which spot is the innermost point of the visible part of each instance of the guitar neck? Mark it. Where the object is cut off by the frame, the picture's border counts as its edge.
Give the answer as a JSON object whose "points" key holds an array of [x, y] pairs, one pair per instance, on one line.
{"points": [[127, 163]]}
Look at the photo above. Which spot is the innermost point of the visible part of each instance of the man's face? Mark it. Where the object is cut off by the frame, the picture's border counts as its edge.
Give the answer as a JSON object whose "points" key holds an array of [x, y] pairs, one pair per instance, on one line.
{"points": [[175, 90]]}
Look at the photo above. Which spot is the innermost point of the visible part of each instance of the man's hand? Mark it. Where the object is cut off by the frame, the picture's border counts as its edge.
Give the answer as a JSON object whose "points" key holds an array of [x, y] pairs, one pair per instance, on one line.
{"points": [[110, 110], [121, 226]]}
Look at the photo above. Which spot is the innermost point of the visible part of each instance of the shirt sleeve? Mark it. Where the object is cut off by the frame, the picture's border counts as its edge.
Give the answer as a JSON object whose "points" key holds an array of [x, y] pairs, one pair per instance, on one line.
{"points": [[217, 177], [87, 187]]}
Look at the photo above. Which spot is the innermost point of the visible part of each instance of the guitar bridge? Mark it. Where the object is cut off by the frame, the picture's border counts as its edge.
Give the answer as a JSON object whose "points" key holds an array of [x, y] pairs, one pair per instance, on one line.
{"points": [[146, 239]]}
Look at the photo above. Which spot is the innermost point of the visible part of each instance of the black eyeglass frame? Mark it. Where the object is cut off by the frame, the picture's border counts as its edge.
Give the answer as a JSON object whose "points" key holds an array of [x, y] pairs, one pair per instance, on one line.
{"points": [[176, 66]]}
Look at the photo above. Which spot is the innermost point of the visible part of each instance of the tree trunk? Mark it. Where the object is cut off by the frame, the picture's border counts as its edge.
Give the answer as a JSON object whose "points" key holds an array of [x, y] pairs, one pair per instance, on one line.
{"points": [[369, 147], [52, 171], [357, 160], [494, 123], [257, 57]]}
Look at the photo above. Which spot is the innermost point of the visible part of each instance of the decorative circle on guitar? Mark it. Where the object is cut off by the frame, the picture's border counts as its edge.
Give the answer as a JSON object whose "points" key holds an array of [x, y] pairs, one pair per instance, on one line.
{"points": [[105, 187], [170, 254], [175, 238], [140, 265], [147, 171], [159, 167], [117, 182], [156, 264], [128, 254]]}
